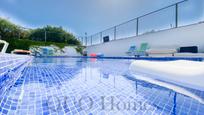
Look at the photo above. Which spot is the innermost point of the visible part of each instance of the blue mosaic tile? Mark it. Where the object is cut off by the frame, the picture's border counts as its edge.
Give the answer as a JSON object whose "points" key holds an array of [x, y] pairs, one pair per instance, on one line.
{"points": [[59, 86], [4, 111]]}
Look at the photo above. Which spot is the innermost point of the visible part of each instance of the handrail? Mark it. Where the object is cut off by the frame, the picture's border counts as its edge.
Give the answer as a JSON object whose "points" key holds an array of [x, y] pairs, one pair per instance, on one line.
{"points": [[144, 15], [6, 44], [137, 19]]}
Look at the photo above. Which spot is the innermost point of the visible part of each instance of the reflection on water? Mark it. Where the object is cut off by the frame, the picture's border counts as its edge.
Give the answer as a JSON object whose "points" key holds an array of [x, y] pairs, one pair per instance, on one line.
{"points": [[68, 85]]}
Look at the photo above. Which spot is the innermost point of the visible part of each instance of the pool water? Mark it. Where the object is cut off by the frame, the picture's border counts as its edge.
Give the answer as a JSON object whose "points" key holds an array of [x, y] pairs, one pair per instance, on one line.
{"points": [[80, 86]]}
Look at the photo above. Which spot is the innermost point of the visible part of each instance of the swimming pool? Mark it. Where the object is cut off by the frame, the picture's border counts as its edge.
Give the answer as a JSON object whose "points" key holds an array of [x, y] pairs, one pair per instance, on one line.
{"points": [[83, 86]]}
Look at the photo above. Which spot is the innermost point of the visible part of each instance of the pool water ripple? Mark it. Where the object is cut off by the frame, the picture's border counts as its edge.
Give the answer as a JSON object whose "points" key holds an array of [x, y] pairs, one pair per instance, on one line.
{"points": [[71, 86]]}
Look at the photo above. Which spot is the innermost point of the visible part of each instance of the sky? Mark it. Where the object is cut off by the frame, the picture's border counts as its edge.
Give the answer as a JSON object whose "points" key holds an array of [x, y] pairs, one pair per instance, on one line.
{"points": [[80, 16]]}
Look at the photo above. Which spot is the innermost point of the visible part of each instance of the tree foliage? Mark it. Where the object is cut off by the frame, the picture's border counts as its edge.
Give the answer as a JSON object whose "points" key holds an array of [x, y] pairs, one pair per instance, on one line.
{"points": [[25, 44], [53, 34], [8, 30]]}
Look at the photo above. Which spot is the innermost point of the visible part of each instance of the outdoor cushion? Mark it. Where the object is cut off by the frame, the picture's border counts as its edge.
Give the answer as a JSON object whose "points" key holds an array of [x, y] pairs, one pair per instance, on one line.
{"points": [[189, 49], [161, 51]]}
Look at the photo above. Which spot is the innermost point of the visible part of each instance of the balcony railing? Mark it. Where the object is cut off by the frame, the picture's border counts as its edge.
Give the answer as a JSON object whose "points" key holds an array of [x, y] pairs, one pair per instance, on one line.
{"points": [[172, 16]]}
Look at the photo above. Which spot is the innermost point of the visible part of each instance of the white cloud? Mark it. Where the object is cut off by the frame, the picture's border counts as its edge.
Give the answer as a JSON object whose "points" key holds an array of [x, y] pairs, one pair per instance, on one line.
{"points": [[13, 19]]}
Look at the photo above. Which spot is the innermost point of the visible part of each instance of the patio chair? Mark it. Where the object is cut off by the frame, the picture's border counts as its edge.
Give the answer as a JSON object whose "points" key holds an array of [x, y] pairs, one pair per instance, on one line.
{"points": [[142, 50], [132, 50]]}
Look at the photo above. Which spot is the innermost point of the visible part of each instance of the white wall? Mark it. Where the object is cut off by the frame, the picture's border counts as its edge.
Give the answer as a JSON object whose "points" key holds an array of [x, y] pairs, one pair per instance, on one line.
{"points": [[192, 35]]}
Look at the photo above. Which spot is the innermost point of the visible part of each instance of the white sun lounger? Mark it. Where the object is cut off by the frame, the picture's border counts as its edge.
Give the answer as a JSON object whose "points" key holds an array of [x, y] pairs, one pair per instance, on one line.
{"points": [[154, 52], [185, 73]]}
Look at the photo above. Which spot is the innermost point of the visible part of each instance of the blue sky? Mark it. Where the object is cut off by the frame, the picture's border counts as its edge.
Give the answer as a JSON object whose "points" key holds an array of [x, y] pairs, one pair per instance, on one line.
{"points": [[80, 16]]}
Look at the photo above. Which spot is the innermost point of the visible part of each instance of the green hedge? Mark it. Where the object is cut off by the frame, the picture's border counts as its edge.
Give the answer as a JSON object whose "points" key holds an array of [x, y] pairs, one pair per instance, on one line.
{"points": [[25, 44]]}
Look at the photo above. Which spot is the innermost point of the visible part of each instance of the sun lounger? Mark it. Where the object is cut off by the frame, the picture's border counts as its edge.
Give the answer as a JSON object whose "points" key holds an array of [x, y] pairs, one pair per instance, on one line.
{"points": [[152, 52], [142, 50], [181, 72], [132, 50]]}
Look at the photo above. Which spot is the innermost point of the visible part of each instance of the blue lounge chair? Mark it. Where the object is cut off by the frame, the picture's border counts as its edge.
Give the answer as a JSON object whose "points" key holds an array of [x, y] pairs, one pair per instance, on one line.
{"points": [[132, 51]]}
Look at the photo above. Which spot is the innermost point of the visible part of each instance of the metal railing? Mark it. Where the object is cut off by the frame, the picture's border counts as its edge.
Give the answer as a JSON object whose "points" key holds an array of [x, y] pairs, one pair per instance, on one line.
{"points": [[161, 19]]}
